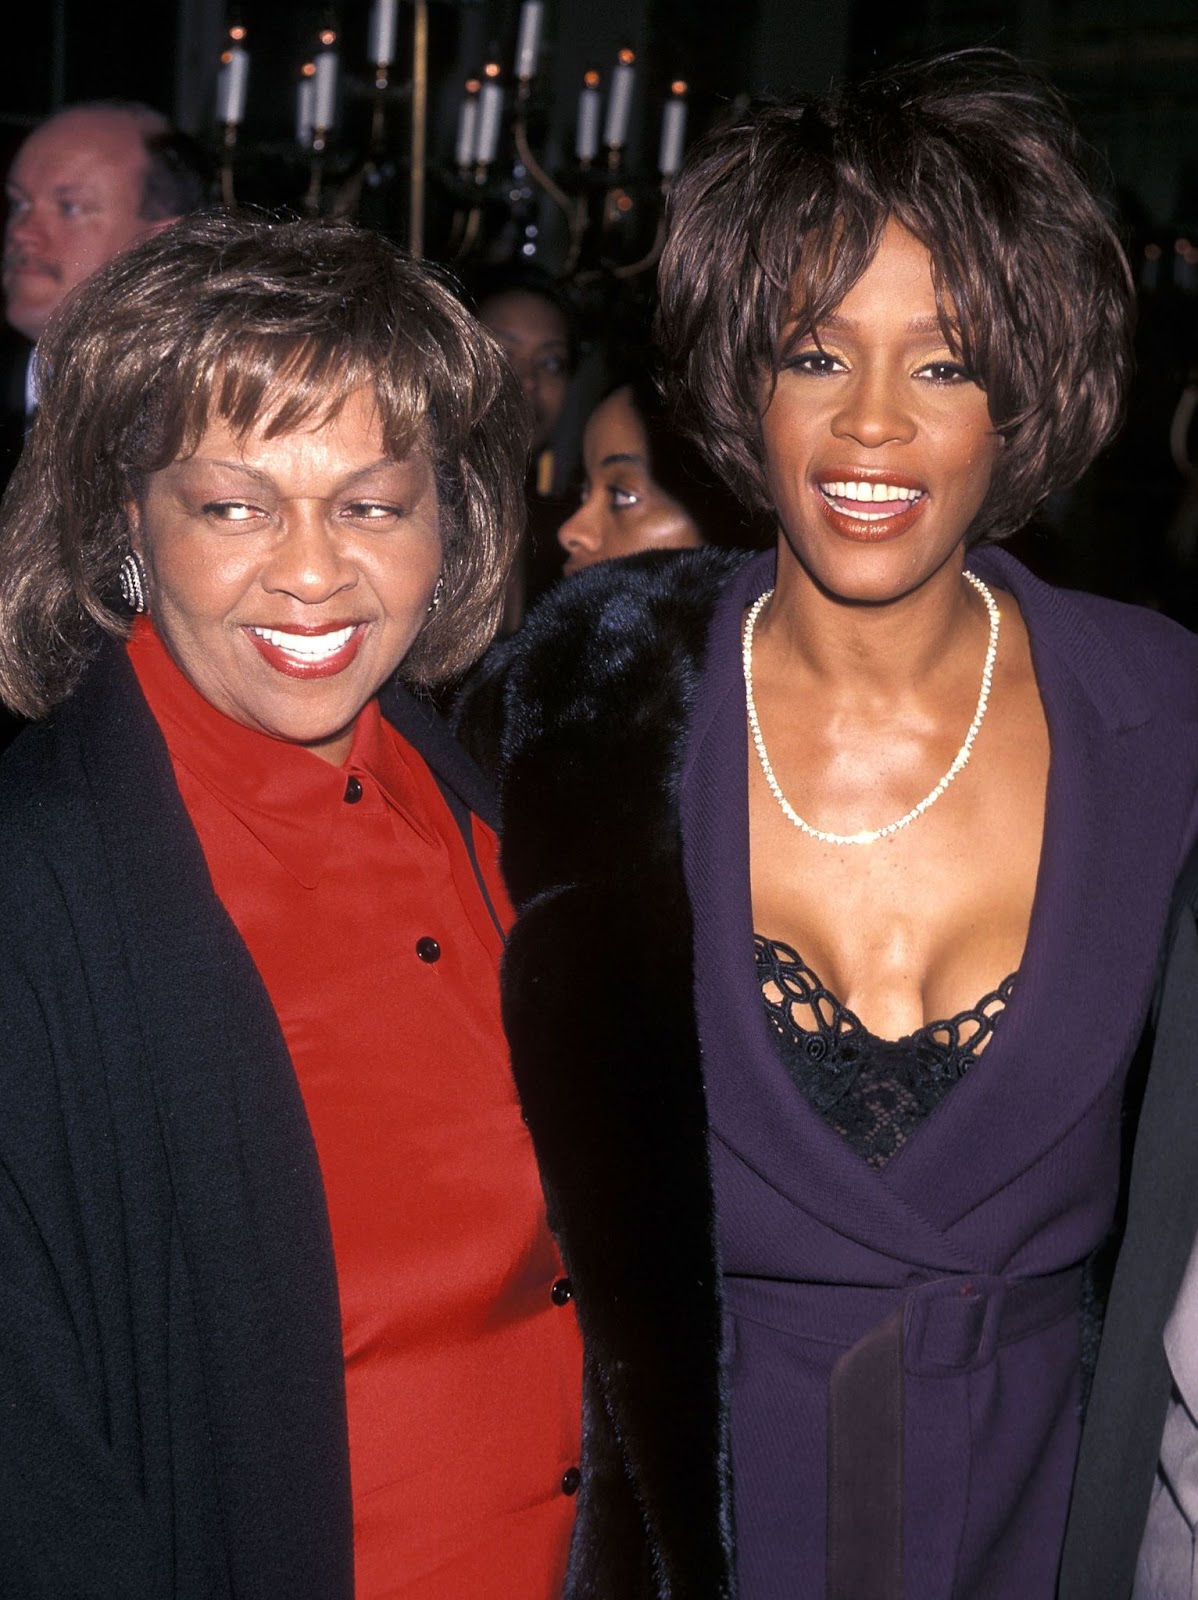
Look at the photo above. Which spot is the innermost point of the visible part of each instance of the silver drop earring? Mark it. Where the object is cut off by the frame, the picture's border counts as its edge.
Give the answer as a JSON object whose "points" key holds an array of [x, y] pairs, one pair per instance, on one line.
{"points": [[132, 579], [438, 591]]}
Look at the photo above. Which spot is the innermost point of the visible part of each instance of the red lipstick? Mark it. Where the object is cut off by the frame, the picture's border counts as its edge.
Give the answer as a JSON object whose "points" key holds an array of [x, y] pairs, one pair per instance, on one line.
{"points": [[299, 651], [846, 501]]}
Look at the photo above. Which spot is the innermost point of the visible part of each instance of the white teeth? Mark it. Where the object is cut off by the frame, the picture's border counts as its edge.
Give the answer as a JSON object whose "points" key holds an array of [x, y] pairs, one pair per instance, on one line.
{"points": [[869, 491], [307, 646]]}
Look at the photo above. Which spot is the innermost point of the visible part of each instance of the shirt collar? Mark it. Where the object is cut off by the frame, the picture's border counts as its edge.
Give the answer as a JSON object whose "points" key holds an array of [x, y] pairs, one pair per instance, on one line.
{"points": [[290, 799], [32, 383]]}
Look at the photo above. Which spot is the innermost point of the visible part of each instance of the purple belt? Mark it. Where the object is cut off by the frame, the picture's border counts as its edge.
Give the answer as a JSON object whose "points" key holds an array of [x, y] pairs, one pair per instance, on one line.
{"points": [[941, 1329]]}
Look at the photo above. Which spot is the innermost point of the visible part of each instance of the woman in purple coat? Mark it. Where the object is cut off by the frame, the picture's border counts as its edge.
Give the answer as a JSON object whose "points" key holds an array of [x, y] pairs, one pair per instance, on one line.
{"points": [[841, 873]]}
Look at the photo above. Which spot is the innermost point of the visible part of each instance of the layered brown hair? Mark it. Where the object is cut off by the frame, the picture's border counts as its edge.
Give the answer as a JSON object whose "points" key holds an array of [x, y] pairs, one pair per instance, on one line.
{"points": [[779, 212], [262, 324]]}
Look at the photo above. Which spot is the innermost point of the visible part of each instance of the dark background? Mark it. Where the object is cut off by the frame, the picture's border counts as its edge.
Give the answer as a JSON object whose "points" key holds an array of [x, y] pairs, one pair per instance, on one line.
{"points": [[1131, 68]]}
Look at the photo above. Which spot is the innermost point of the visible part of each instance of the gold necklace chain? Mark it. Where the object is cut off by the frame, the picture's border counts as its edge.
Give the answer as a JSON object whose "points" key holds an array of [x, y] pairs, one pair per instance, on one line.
{"points": [[960, 760]]}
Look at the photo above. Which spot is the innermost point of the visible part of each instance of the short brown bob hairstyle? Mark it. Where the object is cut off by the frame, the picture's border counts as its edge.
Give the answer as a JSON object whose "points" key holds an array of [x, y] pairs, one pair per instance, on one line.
{"points": [[259, 323], [778, 213]]}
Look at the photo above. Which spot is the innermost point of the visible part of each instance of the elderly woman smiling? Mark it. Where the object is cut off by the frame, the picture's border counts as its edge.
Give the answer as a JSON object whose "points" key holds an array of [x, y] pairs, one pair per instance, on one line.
{"points": [[280, 1314]]}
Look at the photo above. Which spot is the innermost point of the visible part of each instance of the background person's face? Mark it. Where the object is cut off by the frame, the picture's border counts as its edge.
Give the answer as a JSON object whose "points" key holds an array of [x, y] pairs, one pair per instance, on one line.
{"points": [[74, 193], [624, 509], [289, 576], [534, 334]]}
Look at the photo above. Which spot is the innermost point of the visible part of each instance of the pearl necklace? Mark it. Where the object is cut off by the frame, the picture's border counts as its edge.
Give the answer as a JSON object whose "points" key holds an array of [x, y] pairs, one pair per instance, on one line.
{"points": [[871, 835]]}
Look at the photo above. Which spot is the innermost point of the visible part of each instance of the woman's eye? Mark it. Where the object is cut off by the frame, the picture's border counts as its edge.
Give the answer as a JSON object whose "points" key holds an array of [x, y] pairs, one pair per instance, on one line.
{"points": [[817, 362], [230, 511], [371, 511], [944, 372], [621, 499]]}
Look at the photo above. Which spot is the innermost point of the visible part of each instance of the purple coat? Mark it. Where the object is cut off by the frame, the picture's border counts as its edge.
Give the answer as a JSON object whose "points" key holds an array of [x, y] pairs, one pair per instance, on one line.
{"points": [[930, 1308]]}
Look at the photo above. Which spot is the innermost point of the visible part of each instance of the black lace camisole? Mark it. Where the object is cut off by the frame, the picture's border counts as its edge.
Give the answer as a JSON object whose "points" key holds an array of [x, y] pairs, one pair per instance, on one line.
{"points": [[872, 1091]]}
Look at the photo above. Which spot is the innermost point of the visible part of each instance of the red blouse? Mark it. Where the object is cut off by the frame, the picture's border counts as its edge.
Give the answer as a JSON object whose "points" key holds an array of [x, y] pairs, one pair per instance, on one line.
{"points": [[354, 892]]}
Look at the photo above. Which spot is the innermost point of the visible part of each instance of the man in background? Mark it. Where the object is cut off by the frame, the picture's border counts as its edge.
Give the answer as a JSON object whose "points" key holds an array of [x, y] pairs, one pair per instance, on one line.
{"points": [[85, 185]]}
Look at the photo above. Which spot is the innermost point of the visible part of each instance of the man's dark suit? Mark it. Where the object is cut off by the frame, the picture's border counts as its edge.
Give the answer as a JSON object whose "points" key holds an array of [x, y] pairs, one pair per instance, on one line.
{"points": [[1132, 1382], [14, 358]]}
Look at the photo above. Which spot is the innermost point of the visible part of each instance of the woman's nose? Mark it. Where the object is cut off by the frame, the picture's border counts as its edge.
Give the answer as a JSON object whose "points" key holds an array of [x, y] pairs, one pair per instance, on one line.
{"points": [[874, 411], [308, 562], [578, 534]]}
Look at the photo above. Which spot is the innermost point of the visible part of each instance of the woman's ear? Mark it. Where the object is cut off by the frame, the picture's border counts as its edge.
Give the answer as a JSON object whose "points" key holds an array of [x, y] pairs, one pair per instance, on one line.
{"points": [[133, 521]]}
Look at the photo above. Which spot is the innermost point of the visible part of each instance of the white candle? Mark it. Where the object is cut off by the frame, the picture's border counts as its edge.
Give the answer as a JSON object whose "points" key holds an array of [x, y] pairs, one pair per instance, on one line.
{"points": [[467, 130], [222, 89], [382, 32], [528, 39], [490, 117], [231, 84], [305, 106], [673, 136], [324, 99], [619, 103], [586, 141]]}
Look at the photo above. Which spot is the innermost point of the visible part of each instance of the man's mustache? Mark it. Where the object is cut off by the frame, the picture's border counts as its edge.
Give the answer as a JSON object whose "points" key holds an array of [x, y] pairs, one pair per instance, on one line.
{"points": [[21, 261]]}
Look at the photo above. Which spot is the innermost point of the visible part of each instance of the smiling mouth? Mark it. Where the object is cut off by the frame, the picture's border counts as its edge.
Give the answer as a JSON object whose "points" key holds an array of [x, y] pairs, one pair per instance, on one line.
{"points": [[307, 646], [308, 655], [870, 502], [867, 510]]}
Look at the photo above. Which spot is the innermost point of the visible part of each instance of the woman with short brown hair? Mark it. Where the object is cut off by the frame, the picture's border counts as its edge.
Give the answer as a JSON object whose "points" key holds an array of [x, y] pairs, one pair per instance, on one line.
{"points": [[849, 863], [280, 1313]]}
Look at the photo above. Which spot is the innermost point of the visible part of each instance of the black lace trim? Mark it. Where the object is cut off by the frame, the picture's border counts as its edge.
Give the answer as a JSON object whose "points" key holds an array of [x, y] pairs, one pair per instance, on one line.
{"points": [[873, 1091]]}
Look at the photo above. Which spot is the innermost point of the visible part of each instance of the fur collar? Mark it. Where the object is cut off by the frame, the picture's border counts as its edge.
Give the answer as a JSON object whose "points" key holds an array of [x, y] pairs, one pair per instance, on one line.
{"points": [[596, 688], [591, 703]]}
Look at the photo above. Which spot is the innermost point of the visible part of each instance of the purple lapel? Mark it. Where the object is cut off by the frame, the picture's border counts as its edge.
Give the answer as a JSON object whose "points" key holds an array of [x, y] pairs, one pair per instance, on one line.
{"points": [[1118, 818]]}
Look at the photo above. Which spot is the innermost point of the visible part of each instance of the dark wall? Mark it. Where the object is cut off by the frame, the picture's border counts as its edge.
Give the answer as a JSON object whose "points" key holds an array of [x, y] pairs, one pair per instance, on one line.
{"points": [[75, 50]]}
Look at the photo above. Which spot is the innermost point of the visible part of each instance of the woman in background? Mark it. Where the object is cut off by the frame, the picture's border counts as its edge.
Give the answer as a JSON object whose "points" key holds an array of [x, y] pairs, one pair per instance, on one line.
{"points": [[280, 1314], [647, 487]]}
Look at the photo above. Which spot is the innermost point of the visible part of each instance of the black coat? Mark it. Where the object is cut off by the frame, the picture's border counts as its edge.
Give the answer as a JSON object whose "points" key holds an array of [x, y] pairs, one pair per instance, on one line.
{"points": [[172, 1409], [1132, 1382]]}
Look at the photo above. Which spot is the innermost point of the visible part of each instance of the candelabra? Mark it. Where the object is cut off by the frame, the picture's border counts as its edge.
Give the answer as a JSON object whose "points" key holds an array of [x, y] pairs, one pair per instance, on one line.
{"points": [[613, 217], [498, 181]]}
